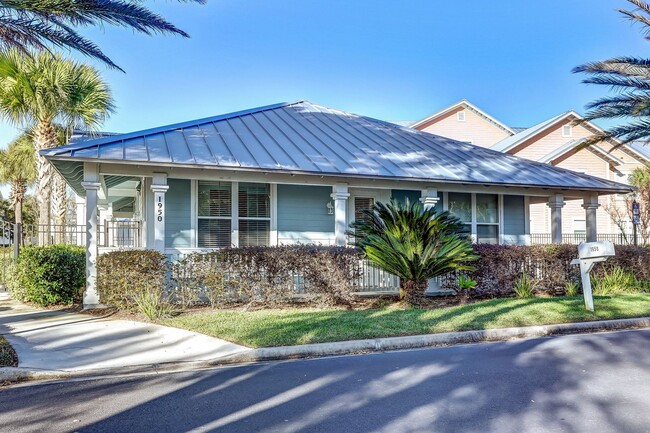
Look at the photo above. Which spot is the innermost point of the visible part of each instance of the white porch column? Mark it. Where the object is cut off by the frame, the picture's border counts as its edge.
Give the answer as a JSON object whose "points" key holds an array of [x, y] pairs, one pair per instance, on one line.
{"points": [[340, 195], [556, 203], [429, 198], [159, 187], [590, 205], [91, 185]]}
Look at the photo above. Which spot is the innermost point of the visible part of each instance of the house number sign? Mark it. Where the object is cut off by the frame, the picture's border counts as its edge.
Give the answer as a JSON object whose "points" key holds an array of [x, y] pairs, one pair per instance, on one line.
{"points": [[160, 208]]}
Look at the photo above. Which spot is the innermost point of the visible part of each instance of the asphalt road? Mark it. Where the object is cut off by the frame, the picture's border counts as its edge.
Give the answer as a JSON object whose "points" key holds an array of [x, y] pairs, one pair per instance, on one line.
{"points": [[585, 383]]}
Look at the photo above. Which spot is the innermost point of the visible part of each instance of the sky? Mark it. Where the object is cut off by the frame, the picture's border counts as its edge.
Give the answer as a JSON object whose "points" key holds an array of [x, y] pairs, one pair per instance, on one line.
{"points": [[393, 60]]}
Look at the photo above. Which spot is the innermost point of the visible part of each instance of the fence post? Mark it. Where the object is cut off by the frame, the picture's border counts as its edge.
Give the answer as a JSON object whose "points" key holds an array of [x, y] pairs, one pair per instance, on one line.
{"points": [[18, 238]]}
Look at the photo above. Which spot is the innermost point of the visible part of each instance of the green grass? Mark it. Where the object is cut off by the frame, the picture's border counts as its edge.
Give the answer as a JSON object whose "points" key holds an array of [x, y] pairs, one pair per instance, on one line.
{"points": [[8, 357], [277, 327]]}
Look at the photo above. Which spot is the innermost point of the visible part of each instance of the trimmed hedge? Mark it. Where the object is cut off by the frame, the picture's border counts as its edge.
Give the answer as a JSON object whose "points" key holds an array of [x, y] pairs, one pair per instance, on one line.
{"points": [[125, 277], [48, 275]]}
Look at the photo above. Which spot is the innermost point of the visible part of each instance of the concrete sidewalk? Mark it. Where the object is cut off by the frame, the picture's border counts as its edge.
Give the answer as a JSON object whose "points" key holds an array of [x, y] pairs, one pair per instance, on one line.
{"points": [[70, 342]]}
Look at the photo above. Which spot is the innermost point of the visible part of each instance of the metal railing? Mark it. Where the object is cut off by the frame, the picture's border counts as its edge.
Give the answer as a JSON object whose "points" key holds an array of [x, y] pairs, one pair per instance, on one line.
{"points": [[112, 234], [7, 251], [575, 239]]}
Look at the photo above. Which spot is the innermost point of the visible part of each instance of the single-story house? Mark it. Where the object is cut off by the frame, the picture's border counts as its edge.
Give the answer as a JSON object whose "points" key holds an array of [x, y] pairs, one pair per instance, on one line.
{"points": [[301, 172]]}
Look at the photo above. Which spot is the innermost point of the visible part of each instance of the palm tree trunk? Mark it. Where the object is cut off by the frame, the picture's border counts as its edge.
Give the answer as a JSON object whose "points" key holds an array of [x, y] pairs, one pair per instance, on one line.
{"points": [[59, 208], [413, 292], [44, 138], [18, 189]]}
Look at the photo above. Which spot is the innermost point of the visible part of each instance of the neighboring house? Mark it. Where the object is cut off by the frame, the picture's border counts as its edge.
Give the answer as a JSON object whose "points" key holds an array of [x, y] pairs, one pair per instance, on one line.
{"points": [[301, 172], [555, 141]]}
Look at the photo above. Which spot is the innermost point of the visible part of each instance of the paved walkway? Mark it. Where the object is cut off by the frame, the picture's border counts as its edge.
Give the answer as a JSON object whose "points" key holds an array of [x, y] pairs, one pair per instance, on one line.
{"points": [[63, 341]]}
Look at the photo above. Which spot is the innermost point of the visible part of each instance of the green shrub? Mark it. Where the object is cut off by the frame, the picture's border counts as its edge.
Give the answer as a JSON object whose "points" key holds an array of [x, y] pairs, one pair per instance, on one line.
{"points": [[128, 280], [571, 288], [524, 286], [153, 304], [48, 275], [615, 282]]}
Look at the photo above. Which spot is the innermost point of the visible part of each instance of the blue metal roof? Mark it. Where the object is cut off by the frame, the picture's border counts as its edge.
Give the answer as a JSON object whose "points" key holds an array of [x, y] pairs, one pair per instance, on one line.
{"points": [[303, 137]]}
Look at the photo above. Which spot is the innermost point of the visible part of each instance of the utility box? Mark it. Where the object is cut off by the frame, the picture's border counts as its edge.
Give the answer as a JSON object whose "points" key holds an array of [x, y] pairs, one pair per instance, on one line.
{"points": [[590, 253]]}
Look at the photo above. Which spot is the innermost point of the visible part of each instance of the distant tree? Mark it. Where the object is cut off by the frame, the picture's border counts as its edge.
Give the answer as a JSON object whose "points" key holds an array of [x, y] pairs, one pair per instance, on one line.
{"points": [[45, 92], [40, 24], [629, 79], [412, 243], [18, 169], [622, 215]]}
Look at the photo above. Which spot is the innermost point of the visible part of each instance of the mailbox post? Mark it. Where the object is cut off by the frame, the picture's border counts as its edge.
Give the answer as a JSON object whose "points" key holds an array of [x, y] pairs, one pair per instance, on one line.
{"points": [[590, 253]]}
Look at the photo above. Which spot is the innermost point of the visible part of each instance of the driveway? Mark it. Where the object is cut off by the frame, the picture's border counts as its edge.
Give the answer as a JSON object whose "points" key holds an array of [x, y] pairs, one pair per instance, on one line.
{"points": [[63, 341]]}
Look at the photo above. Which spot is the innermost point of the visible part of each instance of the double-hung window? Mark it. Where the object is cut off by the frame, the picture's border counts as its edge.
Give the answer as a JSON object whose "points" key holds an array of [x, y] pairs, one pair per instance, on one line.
{"points": [[460, 205], [487, 218], [254, 214], [214, 214]]}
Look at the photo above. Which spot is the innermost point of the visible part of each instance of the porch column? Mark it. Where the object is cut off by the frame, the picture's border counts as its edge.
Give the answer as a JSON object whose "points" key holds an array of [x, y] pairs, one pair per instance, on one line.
{"points": [[429, 198], [91, 297], [590, 205], [340, 195], [159, 187], [556, 203]]}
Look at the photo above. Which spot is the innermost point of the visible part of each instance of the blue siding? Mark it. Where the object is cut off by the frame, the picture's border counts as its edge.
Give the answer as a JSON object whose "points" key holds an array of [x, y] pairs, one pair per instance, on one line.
{"points": [[514, 220], [401, 195], [178, 215], [304, 209]]}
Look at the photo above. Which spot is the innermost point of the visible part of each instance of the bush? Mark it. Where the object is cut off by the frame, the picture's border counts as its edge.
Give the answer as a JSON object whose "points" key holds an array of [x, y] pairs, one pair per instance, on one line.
{"points": [[324, 275], [571, 288], [133, 280], [615, 282], [49, 275], [524, 286]]}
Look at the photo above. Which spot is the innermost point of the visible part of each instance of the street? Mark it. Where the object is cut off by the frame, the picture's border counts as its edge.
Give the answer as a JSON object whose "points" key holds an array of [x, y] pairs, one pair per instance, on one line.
{"points": [[582, 383]]}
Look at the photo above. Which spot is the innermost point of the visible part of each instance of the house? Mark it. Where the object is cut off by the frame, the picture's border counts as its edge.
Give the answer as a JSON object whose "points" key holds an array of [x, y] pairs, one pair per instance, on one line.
{"points": [[301, 173], [556, 141]]}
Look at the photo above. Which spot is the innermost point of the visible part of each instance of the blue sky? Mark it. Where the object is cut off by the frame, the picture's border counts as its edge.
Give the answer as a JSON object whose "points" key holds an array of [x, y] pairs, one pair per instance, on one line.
{"points": [[393, 60]]}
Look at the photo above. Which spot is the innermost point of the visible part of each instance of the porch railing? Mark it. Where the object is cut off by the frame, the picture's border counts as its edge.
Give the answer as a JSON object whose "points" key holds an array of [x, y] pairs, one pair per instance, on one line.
{"points": [[111, 234], [575, 239]]}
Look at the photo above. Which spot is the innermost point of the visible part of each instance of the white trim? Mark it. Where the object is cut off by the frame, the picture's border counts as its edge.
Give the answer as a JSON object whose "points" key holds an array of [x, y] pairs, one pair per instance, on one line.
{"points": [[469, 105], [194, 214], [273, 234], [473, 224], [500, 210], [570, 131], [234, 214]]}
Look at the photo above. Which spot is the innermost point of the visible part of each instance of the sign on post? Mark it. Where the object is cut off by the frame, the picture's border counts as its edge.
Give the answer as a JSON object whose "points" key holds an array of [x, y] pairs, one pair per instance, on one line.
{"points": [[636, 213], [590, 253]]}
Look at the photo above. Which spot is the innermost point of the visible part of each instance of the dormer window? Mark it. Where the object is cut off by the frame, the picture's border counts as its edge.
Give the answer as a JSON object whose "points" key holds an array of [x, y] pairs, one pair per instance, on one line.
{"points": [[460, 116], [567, 131]]}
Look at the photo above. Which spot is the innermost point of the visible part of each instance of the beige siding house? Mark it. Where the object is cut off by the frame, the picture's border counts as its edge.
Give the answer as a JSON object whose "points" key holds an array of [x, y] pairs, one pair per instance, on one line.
{"points": [[556, 141]]}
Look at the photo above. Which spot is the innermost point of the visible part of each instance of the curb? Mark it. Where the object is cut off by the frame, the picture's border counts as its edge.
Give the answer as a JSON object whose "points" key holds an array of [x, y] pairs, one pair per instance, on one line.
{"points": [[11, 375]]}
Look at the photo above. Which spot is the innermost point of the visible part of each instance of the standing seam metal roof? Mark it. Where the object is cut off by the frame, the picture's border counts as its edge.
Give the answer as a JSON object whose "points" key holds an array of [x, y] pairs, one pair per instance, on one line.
{"points": [[303, 137]]}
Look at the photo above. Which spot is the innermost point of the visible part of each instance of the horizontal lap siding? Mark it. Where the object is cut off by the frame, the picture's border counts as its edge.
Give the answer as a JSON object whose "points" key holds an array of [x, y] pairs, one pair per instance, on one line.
{"points": [[303, 216], [178, 214], [514, 220]]}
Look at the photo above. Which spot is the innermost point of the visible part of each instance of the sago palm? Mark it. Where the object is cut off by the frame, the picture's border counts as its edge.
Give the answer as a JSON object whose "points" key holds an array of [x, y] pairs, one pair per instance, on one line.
{"points": [[413, 243], [18, 169], [629, 78], [38, 24], [42, 91]]}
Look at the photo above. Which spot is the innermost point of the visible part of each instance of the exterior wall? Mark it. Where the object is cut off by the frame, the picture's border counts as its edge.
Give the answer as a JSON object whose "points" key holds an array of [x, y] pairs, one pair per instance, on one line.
{"points": [[178, 216], [401, 195], [475, 129], [514, 220], [303, 215]]}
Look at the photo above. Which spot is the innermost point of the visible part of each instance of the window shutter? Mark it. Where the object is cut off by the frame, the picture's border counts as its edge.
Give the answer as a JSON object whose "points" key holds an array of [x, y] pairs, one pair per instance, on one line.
{"points": [[361, 203]]}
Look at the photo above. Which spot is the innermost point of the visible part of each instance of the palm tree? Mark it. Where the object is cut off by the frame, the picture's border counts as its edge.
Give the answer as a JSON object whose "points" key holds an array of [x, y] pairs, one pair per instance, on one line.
{"points": [[629, 77], [42, 91], [18, 169], [38, 24], [414, 243]]}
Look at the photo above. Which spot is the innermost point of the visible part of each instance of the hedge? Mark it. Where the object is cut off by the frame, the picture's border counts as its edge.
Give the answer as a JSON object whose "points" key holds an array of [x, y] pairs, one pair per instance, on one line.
{"points": [[48, 275]]}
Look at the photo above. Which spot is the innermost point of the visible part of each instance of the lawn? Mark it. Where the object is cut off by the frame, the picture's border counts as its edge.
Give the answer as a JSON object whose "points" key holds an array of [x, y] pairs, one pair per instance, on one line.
{"points": [[281, 327], [8, 357]]}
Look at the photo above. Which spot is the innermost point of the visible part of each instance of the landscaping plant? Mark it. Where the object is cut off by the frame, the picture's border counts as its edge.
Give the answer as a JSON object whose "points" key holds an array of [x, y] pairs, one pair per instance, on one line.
{"points": [[524, 286], [413, 243], [47, 275]]}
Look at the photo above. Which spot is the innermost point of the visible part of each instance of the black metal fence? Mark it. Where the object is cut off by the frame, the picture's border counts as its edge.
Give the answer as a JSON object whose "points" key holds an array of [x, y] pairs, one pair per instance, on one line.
{"points": [[575, 239]]}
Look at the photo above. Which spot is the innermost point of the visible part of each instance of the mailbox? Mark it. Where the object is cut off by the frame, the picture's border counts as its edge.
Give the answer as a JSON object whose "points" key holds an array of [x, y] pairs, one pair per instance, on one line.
{"points": [[590, 253]]}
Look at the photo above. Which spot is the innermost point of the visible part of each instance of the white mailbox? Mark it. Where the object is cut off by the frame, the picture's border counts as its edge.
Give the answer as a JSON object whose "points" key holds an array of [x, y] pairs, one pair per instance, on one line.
{"points": [[590, 253]]}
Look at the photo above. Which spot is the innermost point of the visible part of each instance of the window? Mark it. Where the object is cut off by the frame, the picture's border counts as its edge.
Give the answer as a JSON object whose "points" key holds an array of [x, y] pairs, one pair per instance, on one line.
{"points": [[254, 214], [360, 204], [460, 116], [487, 218], [215, 214], [567, 131], [579, 230], [460, 205]]}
